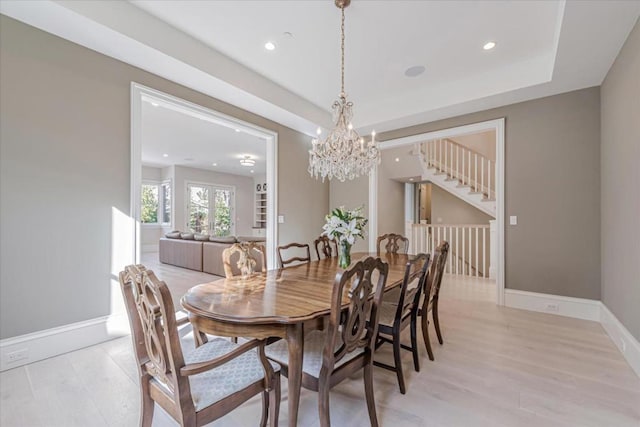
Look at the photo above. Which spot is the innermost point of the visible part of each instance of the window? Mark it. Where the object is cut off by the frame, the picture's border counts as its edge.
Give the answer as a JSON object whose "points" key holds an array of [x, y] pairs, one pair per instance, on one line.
{"points": [[210, 209], [156, 203]]}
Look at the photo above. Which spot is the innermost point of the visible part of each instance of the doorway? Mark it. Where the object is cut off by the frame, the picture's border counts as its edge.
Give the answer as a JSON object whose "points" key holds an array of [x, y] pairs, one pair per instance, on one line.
{"points": [[200, 200], [435, 151]]}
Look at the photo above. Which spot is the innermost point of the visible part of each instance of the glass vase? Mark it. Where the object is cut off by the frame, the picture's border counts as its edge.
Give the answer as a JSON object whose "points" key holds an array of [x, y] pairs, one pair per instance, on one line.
{"points": [[344, 255]]}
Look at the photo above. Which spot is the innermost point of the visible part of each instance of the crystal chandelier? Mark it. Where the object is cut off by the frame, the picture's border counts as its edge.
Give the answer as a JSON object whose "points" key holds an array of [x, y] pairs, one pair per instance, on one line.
{"points": [[343, 154]]}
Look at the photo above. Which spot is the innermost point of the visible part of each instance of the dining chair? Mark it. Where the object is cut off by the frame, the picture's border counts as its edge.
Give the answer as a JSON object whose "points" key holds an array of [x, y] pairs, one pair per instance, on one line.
{"points": [[249, 253], [431, 294], [393, 244], [304, 248], [347, 343], [398, 313], [198, 386], [329, 247]]}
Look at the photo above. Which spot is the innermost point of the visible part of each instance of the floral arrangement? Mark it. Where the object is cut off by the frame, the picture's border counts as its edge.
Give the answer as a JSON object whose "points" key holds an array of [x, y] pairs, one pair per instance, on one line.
{"points": [[345, 227]]}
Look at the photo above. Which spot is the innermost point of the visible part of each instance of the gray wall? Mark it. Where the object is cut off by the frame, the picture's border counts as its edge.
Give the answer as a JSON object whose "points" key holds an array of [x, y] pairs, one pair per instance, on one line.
{"points": [[352, 194], [620, 185], [64, 171], [553, 185]]}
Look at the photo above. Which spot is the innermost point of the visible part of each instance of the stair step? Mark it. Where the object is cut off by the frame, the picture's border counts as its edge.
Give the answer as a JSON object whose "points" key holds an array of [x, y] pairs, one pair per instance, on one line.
{"points": [[488, 200], [440, 173], [450, 179], [463, 186]]}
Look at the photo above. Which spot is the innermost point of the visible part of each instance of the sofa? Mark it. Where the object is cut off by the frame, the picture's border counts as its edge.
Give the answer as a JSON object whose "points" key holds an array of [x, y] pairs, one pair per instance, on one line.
{"points": [[200, 252]]}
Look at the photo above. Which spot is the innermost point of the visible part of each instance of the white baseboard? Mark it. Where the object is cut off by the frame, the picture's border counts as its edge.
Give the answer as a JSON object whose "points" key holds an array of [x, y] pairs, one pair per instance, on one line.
{"points": [[621, 337], [579, 308], [150, 248], [55, 341]]}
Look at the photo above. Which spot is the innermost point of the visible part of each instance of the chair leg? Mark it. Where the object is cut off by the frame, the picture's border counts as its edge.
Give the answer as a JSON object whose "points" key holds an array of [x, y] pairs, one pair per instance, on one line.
{"points": [[425, 335], [414, 342], [274, 401], [368, 391], [147, 403], [323, 403], [265, 408], [398, 362], [436, 321]]}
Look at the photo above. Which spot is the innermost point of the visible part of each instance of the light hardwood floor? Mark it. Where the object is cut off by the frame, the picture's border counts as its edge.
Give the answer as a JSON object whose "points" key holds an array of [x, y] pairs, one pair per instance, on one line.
{"points": [[498, 367]]}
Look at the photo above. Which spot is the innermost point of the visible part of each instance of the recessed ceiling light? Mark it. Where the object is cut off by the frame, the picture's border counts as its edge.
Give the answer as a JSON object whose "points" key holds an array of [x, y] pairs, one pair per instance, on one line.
{"points": [[489, 45], [237, 130], [414, 71], [165, 155], [214, 164], [410, 179], [155, 104], [247, 161], [397, 159], [287, 34], [269, 46], [251, 170]]}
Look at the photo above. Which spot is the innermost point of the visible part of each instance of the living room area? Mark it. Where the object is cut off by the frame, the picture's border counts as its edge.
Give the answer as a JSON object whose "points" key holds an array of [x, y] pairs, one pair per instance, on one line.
{"points": [[203, 186]]}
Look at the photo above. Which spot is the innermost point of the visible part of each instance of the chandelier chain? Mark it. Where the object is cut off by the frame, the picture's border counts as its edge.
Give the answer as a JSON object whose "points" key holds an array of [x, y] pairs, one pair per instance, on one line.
{"points": [[342, 56]]}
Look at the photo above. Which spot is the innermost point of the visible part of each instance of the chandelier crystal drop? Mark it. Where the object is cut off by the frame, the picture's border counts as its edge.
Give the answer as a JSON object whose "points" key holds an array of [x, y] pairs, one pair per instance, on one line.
{"points": [[343, 154]]}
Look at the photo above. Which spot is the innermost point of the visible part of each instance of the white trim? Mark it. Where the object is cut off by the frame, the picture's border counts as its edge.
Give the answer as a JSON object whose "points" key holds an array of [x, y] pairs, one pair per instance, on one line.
{"points": [[579, 308], [621, 337], [63, 339], [140, 92], [496, 125]]}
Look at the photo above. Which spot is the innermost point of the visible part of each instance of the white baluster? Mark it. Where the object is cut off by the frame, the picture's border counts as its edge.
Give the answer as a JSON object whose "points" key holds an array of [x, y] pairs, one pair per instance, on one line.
{"points": [[482, 175], [469, 168], [463, 172], [464, 246], [484, 252], [477, 265], [475, 183], [489, 178]]}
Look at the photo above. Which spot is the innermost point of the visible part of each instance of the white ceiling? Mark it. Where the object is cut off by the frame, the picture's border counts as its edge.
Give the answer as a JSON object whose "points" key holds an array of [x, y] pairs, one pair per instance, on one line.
{"points": [[543, 48], [196, 143]]}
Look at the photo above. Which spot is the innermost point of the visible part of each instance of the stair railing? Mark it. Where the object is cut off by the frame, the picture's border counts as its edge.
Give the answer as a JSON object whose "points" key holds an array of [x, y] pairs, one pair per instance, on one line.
{"points": [[460, 163], [469, 245]]}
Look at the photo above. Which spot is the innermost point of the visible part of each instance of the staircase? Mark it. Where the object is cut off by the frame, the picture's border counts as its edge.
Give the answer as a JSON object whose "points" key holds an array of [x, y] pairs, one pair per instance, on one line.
{"points": [[462, 172]]}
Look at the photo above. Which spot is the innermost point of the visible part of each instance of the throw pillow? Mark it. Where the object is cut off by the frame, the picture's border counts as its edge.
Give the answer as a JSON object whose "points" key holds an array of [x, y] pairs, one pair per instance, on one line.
{"points": [[173, 235], [201, 237], [219, 239], [186, 236]]}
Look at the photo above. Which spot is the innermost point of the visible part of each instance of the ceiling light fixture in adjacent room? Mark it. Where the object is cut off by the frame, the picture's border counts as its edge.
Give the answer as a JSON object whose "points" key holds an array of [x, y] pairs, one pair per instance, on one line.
{"points": [[247, 161], [343, 154], [489, 45], [414, 71]]}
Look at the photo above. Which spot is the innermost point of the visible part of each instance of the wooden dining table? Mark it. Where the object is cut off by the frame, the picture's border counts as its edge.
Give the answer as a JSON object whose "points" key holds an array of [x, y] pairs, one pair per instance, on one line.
{"points": [[280, 303]]}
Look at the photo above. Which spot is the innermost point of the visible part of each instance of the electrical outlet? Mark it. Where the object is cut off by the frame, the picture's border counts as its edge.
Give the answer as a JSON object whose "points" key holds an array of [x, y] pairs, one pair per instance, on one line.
{"points": [[552, 307], [17, 355]]}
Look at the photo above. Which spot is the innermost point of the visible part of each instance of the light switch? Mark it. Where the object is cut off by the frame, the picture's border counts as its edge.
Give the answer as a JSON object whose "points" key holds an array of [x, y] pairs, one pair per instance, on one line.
{"points": [[513, 220], [280, 219]]}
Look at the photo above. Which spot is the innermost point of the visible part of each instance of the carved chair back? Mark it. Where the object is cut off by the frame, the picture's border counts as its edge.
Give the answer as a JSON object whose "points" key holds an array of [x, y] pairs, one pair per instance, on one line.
{"points": [[154, 330], [436, 272], [393, 243], [297, 259], [415, 271], [248, 253], [328, 247], [357, 325]]}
